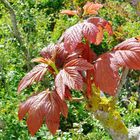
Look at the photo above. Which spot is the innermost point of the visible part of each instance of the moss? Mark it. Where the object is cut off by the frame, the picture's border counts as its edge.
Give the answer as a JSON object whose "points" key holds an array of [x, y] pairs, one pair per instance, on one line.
{"points": [[105, 111]]}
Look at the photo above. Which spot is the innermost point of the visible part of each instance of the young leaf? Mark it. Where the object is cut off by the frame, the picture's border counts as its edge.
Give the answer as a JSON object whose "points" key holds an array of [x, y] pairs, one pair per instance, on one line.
{"points": [[35, 75], [49, 51], [45, 105], [86, 52], [90, 8]]}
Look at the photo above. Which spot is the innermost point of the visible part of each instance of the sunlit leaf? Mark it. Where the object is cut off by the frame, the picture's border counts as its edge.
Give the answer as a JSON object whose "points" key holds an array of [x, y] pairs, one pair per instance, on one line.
{"points": [[43, 106]]}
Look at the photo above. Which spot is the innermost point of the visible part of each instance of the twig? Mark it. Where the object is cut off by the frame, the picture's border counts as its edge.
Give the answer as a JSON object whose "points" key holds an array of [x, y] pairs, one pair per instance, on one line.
{"points": [[77, 99], [122, 81], [61, 38], [13, 20]]}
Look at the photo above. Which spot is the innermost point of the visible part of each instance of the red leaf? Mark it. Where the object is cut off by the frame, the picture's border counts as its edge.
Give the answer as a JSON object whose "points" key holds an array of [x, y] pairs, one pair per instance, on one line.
{"points": [[91, 8], [41, 60], [49, 51], [72, 79], [72, 37], [101, 22], [69, 12], [106, 75], [86, 52], [61, 88], [79, 64], [90, 31], [99, 36], [34, 75], [127, 54], [59, 83], [43, 105], [56, 53], [67, 94], [69, 77]]}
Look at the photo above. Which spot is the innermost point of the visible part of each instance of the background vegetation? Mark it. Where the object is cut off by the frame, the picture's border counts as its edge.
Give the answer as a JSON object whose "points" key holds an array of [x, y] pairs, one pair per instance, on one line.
{"points": [[39, 23]]}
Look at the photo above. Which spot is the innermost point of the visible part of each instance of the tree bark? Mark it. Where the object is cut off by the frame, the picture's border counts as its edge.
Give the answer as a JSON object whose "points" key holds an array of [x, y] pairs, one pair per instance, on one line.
{"points": [[104, 110]]}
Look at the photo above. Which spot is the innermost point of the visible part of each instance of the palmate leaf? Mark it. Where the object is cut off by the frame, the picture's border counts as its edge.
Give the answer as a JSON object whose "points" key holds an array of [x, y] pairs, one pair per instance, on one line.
{"points": [[69, 76], [35, 75], [45, 105], [126, 54]]}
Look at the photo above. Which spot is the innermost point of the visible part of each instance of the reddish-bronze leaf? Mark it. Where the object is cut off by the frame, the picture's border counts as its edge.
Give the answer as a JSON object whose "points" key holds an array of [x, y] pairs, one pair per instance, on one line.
{"points": [[55, 53], [106, 75], [69, 12], [67, 94], [73, 36], [45, 105], [70, 78], [62, 90], [86, 52], [127, 54], [101, 22], [34, 75], [59, 83], [91, 8], [49, 51], [89, 31], [79, 64], [41, 60], [99, 36]]}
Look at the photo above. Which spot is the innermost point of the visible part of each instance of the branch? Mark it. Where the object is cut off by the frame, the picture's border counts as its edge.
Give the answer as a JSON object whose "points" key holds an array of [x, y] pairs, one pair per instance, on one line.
{"points": [[122, 81], [77, 99], [13, 20], [134, 133]]}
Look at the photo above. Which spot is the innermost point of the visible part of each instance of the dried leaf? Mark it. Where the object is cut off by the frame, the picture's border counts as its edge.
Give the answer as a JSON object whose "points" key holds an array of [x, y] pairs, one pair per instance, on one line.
{"points": [[69, 12]]}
